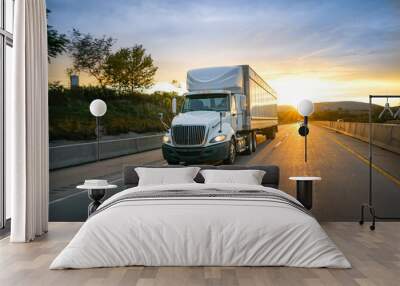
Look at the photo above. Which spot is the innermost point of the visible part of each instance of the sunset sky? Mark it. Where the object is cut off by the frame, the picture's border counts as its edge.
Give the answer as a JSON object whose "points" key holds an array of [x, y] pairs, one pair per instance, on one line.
{"points": [[322, 50]]}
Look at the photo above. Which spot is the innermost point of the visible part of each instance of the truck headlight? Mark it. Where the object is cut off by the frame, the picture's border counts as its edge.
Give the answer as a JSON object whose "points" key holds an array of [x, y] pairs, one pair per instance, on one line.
{"points": [[218, 138], [166, 139]]}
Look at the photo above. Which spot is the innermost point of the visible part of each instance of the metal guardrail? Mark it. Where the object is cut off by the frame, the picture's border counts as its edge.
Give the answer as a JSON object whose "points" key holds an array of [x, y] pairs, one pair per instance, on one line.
{"points": [[81, 153], [386, 136]]}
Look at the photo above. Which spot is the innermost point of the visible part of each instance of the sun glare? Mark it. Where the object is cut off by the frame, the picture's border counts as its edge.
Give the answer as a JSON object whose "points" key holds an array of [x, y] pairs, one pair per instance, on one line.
{"points": [[293, 89]]}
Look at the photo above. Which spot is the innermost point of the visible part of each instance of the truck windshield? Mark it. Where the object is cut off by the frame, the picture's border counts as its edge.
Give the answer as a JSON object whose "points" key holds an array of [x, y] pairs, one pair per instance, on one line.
{"points": [[207, 102]]}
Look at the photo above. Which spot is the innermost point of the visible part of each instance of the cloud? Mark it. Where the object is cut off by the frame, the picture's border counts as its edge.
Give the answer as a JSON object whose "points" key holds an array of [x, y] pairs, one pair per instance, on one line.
{"points": [[334, 41]]}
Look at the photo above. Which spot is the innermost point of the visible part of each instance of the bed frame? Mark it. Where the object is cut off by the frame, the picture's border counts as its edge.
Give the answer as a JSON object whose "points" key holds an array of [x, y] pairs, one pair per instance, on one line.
{"points": [[270, 179]]}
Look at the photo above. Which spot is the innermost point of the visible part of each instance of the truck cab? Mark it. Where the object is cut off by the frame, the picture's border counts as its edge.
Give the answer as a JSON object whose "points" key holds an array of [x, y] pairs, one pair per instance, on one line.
{"points": [[213, 124], [205, 129], [216, 102]]}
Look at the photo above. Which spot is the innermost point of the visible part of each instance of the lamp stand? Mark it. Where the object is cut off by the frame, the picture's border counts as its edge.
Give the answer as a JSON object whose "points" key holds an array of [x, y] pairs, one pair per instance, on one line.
{"points": [[98, 137], [305, 138]]}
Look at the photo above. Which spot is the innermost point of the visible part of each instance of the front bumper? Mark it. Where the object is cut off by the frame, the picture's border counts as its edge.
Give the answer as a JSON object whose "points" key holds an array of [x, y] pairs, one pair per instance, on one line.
{"points": [[213, 153]]}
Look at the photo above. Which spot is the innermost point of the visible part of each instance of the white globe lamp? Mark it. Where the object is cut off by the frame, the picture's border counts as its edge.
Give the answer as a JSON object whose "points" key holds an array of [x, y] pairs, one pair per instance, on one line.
{"points": [[305, 107], [98, 108]]}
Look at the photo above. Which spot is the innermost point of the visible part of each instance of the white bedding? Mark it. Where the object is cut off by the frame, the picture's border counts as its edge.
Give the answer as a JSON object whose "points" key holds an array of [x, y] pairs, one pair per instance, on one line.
{"points": [[200, 231]]}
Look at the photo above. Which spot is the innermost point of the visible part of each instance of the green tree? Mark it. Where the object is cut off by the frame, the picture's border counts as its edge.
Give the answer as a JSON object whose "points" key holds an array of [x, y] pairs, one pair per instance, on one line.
{"points": [[56, 43], [90, 54], [130, 69]]}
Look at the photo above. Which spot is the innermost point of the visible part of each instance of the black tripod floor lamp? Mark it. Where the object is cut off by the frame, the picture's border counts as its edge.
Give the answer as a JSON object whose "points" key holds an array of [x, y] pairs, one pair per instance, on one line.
{"points": [[370, 205]]}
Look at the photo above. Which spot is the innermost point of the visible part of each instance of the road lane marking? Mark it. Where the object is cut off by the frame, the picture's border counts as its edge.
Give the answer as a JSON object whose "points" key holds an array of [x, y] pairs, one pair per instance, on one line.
{"points": [[277, 144], [5, 237], [280, 142], [366, 161], [67, 197], [80, 192], [114, 181]]}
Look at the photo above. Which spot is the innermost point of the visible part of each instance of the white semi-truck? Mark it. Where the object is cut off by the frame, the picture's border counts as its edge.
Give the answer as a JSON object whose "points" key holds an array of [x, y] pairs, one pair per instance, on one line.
{"points": [[222, 113]]}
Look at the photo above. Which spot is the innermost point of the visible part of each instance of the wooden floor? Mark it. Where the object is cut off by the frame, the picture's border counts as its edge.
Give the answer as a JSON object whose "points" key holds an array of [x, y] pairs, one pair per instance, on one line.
{"points": [[375, 257]]}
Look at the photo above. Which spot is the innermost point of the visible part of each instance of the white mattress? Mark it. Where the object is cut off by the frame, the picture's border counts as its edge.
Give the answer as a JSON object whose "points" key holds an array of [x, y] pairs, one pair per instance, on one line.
{"points": [[200, 231]]}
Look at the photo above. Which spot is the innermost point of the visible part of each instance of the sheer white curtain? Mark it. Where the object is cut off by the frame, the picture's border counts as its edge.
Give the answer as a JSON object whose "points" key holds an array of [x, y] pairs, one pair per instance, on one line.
{"points": [[27, 124]]}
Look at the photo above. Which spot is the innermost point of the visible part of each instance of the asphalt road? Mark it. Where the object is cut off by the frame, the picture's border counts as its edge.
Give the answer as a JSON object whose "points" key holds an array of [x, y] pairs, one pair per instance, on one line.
{"points": [[339, 159]]}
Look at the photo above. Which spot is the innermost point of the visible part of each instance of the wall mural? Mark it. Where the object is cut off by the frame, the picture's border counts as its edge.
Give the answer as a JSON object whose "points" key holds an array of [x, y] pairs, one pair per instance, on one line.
{"points": [[275, 83]]}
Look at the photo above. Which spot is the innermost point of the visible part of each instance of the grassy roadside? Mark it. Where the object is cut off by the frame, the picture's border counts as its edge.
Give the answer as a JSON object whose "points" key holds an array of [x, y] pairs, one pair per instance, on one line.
{"points": [[70, 118]]}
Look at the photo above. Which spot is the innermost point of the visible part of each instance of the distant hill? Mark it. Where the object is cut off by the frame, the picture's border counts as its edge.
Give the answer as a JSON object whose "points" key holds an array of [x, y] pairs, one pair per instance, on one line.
{"points": [[284, 108], [343, 105], [334, 105], [344, 110], [288, 114]]}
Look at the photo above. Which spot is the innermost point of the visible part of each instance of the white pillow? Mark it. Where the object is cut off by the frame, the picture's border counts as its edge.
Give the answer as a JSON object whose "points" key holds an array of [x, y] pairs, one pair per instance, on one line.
{"points": [[166, 176], [247, 177]]}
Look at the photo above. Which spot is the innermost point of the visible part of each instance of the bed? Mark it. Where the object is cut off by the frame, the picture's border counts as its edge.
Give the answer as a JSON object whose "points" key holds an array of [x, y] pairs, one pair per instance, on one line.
{"points": [[198, 224]]}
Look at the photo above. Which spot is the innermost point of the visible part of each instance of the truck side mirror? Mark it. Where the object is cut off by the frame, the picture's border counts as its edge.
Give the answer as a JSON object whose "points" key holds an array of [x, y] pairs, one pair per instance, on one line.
{"points": [[174, 105]]}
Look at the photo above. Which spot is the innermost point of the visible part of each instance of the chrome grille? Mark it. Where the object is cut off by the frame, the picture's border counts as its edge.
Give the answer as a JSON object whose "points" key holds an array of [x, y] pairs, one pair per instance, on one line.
{"points": [[188, 134]]}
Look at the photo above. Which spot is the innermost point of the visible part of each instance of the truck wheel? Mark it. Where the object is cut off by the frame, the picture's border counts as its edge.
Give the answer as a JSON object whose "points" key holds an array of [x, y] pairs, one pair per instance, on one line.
{"points": [[253, 142], [230, 160], [271, 133], [248, 145]]}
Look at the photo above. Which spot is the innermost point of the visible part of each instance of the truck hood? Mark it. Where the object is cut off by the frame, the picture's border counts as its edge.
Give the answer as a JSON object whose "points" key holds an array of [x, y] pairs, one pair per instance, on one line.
{"points": [[197, 118]]}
